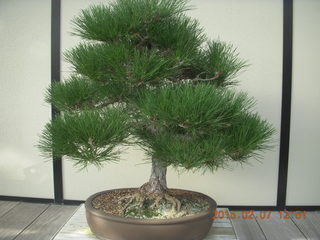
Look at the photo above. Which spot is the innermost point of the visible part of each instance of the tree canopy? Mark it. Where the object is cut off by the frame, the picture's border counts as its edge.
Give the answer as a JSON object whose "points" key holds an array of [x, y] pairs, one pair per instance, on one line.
{"points": [[147, 70]]}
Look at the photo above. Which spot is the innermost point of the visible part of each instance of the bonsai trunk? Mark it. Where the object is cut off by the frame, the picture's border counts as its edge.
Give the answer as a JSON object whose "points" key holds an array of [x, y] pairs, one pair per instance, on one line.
{"points": [[158, 180], [156, 188]]}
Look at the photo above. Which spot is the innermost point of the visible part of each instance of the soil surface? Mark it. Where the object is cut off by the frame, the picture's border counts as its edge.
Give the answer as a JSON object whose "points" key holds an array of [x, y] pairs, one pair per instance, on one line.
{"points": [[123, 203]]}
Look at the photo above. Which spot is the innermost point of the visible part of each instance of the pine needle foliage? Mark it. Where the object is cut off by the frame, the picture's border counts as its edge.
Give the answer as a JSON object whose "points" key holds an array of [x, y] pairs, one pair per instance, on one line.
{"points": [[200, 127], [220, 60], [75, 93], [192, 108], [88, 137], [125, 20], [99, 62], [146, 69]]}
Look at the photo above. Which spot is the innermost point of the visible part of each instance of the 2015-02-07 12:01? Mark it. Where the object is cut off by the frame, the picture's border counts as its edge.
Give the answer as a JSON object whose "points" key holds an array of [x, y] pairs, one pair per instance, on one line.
{"points": [[250, 214]]}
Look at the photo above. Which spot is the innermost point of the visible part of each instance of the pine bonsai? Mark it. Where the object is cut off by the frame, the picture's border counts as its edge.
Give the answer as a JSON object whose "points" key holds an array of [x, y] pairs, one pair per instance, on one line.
{"points": [[146, 74]]}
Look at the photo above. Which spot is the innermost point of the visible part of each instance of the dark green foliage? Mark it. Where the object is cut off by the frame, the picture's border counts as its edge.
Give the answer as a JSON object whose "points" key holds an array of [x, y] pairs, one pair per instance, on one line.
{"points": [[209, 152], [149, 70], [79, 93], [125, 20], [221, 62], [180, 36], [192, 108], [76, 93], [115, 63], [88, 137], [155, 34], [248, 136], [200, 127], [100, 62]]}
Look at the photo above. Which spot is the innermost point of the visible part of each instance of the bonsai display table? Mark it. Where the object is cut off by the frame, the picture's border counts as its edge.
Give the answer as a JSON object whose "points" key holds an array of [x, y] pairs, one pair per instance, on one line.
{"points": [[77, 228]]}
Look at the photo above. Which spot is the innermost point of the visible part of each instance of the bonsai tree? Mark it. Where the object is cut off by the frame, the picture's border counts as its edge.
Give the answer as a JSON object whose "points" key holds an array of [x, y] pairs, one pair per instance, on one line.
{"points": [[146, 74]]}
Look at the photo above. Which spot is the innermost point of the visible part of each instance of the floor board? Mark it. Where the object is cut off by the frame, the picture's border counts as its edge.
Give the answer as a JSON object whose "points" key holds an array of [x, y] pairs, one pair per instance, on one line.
{"points": [[278, 228], [222, 228], [310, 225], [48, 223], [246, 229], [18, 218], [6, 206]]}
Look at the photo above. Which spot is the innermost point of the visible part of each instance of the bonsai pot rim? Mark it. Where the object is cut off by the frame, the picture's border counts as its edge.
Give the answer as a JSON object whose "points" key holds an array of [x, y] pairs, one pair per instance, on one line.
{"points": [[208, 213]]}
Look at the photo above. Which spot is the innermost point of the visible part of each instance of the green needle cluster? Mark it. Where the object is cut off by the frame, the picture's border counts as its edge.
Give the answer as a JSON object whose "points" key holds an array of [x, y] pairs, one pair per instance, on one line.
{"points": [[200, 127], [88, 137]]}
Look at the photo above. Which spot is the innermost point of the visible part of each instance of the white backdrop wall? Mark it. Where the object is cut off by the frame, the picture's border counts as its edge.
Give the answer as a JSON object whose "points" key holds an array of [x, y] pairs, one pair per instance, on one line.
{"points": [[24, 75], [255, 27], [304, 161]]}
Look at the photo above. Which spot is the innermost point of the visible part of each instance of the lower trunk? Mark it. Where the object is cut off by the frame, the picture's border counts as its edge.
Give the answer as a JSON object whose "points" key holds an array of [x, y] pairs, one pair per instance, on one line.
{"points": [[158, 180], [156, 188], [159, 173]]}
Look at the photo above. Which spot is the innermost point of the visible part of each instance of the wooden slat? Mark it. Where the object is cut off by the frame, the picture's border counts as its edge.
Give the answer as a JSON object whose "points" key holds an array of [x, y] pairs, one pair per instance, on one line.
{"points": [[15, 221], [277, 228], [48, 223], [222, 228], [224, 219], [76, 227], [6, 206], [310, 226], [221, 233], [246, 229], [222, 224]]}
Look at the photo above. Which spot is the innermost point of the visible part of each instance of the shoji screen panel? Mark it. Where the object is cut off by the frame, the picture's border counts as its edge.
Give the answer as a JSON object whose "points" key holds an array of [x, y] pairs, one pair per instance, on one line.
{"points": [[255, 27], [304, 161], [24, 75]]}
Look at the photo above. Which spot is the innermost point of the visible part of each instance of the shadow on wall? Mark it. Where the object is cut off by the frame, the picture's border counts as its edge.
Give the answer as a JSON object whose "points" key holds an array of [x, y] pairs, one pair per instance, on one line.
{"points": [[21, 175]]}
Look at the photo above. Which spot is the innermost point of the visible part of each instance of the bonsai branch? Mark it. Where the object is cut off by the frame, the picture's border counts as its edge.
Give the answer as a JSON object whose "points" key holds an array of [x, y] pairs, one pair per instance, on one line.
{"points": [[198, 79]]}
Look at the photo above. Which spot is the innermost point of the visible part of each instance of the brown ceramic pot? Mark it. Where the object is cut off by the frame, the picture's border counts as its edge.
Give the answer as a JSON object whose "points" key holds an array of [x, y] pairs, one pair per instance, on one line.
{"points": [[111, 227]]}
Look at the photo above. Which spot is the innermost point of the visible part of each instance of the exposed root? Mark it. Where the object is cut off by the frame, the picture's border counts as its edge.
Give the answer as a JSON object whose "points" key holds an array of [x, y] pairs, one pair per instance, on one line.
{"points": [[153, 201], [176, 204], [155, 191], [130, 199], [156, 203]]}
